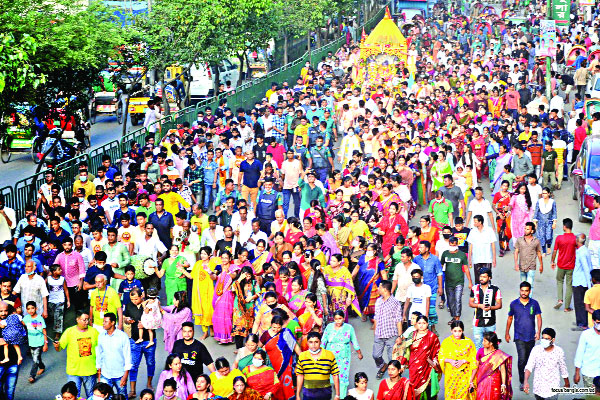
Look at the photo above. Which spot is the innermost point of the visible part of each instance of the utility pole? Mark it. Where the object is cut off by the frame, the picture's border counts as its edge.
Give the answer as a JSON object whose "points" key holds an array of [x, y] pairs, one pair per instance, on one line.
{"points": [[548, 58]]}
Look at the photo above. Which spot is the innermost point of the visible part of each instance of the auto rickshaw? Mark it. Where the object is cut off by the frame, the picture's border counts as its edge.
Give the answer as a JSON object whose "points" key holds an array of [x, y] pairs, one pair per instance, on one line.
{"points": [[20, 136], [107, 99]]}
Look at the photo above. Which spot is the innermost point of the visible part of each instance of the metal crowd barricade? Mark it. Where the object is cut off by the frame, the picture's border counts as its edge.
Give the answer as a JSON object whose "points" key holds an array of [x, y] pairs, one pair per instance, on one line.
{"points": [[22, 193]]}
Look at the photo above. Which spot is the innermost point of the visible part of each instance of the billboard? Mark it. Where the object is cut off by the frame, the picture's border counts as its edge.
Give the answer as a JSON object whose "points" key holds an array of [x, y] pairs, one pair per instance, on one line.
{"points": [[547, 46], [560, 12]]}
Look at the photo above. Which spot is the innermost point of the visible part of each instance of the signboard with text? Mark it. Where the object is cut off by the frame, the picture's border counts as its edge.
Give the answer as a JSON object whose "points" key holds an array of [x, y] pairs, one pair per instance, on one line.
{"points": [[560, 12]]}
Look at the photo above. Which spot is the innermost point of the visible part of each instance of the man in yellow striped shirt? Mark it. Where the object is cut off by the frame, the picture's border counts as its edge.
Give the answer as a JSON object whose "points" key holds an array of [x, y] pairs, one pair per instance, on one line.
{"points": [[314, 369]]}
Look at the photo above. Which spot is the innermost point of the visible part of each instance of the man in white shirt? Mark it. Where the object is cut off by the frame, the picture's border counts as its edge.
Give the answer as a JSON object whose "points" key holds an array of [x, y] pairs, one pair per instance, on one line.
{"points": [[152, 115], [557, 103], [242, 225], [480, 206], [255, 235], [482, 249], [8, 221], [213, 234], [535, 190], [418, 295], [150, 245], [111, 204], [267, 122], [402, 279]]}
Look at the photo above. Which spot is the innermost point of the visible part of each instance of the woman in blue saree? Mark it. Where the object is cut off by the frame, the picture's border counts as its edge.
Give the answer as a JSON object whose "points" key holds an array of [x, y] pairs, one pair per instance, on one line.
{"points": [[368, 273]]}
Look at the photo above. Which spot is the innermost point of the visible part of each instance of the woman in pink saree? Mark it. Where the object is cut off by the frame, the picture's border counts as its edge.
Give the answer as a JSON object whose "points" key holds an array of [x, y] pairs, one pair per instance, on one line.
{"points": [[521, 209], [223, 300], [492, 377], [172, 318]]}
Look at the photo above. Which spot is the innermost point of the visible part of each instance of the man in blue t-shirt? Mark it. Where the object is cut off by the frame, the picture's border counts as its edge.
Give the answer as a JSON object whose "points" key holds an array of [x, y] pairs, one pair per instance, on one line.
{"points": [[526, 313], [248, 177]]}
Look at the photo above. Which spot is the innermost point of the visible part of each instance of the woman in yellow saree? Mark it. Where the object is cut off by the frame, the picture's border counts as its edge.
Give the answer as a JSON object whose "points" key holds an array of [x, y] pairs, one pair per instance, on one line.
{"points": [[203, 275], [457, 360], [340, 286]]}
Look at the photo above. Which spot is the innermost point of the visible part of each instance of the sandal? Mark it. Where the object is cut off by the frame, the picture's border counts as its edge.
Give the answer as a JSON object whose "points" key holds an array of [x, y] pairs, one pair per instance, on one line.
{"points": [[31, 379], [558, 305], [132, 395], [441, 306], [381, 372], [568, 309]]}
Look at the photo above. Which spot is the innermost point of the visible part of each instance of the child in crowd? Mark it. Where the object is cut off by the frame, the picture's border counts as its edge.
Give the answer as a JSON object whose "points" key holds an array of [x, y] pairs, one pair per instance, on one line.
{"points": [[151, 318], [509, 175], [169, 389], [14, 333], [57, 294], [360, 391], [36, 334], [128, 284]]}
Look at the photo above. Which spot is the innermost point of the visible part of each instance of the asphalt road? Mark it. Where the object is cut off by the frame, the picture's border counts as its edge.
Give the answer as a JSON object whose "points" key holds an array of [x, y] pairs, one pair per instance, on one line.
{"points": [[49, 384], [106, 129]]}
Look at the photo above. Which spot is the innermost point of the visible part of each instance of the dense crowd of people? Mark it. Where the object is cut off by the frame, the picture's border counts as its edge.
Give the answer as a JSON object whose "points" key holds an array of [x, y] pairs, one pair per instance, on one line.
{"points": [[270, 228]]}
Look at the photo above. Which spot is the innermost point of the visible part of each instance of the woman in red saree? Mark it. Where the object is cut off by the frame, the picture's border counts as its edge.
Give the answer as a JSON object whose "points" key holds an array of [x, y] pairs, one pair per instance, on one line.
{"points": [[422, 362], [395, 387], [501, 204], [493, 374], [260, 377], [294, 233], [280, 344], [412, 239], [390, 227]]}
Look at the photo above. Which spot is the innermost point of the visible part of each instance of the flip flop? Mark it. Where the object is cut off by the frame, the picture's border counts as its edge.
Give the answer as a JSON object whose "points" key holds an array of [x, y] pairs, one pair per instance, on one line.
{"points": [[381, 372]]}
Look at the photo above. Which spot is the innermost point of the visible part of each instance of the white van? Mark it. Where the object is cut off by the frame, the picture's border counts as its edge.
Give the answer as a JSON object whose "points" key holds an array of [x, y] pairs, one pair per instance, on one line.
{"points": [[202, 78]]}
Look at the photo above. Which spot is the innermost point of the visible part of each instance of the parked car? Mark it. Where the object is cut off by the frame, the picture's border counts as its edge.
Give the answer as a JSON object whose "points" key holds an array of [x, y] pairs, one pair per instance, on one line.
{"points": [[586, 177], [202, 78]]}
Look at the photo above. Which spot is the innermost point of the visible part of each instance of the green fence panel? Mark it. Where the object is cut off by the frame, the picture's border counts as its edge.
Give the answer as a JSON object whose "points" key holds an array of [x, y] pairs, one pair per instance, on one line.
{"points": [[184, 115], [67, 172], [113, 149], [158, 124], [25, 192], [139, 136]]}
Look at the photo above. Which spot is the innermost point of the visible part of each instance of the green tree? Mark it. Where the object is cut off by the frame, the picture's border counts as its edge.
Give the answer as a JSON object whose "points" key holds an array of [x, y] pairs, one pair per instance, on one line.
{"points": [[187, 32], [73, 43], [18, 75]]}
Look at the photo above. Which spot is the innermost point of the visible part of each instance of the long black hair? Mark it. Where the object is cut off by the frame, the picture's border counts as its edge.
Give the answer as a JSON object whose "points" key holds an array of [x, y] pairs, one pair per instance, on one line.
{"points": [[315, 265], [527, 194], [181, 297], [170, 358]]}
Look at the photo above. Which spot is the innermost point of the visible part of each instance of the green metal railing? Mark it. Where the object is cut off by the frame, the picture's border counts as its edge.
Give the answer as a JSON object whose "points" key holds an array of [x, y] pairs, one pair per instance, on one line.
{"points": [[25, 191]]}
